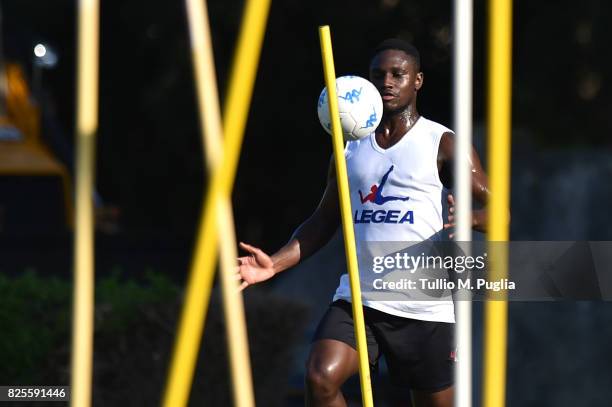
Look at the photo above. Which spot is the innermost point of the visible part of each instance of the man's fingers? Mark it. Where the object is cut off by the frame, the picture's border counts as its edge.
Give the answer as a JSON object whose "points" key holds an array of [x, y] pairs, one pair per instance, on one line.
{"points": [[251, 249], [246, 247], [449, 225], [451, 199], [451, 209], [243, 285], [245, 260]]}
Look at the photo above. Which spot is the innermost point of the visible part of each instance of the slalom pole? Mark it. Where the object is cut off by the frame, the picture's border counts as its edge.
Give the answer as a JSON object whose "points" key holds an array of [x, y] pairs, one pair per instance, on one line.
{"points": [[86, 127], [345, 209], [462, 72], [211, 130], [197, 296], [499, 114]]}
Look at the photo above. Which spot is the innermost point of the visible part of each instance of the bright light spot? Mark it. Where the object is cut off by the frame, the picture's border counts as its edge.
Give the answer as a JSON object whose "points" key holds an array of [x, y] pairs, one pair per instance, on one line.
{"points": [[40, 50]]}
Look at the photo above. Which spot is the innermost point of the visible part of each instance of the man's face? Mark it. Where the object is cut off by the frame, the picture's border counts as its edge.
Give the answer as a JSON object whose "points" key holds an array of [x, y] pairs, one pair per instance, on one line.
{"points": [[395, 75]]}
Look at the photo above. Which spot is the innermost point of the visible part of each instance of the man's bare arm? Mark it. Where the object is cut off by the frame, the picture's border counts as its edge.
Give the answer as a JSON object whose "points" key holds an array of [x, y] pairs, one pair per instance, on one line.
{"points": [[309, 237], [480, 181], [316, 231]]}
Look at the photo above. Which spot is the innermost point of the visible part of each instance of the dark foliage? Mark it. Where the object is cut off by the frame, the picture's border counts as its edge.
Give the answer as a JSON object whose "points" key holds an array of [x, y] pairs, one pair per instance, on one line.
{"points": [[134, 333]]}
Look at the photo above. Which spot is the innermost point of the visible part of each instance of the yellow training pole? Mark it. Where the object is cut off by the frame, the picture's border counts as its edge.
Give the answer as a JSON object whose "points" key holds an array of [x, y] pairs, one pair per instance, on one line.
{"points": [[191, 324], [86, 126], [210, 123], [500, 103], [347, 220]]}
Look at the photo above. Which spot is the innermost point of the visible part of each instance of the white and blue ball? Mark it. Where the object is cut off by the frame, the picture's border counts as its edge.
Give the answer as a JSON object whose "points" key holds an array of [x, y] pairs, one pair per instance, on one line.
{"points": [[360, 107]]}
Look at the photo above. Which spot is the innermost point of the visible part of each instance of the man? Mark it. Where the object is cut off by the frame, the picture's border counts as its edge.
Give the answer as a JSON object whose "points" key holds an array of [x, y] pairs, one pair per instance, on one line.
{"points": [[412, 157]]}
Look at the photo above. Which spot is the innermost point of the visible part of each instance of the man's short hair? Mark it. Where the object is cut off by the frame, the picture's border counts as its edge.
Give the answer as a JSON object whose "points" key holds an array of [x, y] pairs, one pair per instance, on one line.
{"points": [[401, 45]]}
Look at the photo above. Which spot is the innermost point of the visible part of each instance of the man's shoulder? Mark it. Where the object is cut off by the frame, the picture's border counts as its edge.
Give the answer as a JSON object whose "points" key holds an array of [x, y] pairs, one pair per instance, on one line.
{"points": [[435, 127]]}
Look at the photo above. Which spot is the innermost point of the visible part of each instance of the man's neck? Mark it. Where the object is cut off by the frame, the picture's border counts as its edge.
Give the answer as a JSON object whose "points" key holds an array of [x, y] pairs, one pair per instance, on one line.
{"points": [[397, 124]]}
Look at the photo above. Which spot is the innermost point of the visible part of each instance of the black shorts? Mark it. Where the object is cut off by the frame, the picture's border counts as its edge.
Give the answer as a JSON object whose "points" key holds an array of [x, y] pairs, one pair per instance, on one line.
{"points": [[419, 354]]}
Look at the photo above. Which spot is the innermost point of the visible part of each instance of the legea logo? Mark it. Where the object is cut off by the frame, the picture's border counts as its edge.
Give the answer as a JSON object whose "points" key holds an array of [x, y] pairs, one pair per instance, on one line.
{"points": [[376, 197]]}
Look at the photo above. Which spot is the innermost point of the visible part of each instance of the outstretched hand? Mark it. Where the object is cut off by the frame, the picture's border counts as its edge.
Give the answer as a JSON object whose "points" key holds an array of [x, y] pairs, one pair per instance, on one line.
{"points": [[255, 268]]}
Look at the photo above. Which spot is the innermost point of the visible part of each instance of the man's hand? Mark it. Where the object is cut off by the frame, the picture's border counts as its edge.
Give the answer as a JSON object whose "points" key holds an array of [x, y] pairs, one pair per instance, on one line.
{"points": [[479, 217], [451, 215], [255, 268]]}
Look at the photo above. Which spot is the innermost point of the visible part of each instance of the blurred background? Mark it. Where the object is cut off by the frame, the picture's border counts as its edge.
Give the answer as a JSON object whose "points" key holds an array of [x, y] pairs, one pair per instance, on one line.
{"points": [[150, 183]]}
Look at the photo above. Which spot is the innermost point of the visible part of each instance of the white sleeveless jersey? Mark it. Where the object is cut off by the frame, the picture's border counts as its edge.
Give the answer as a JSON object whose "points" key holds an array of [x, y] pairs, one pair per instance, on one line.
{"points": [[396, 196]]}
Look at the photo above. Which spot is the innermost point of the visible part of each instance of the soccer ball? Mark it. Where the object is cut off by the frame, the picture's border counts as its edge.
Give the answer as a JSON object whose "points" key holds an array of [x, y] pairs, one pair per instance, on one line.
{"points": [[360, 107]]}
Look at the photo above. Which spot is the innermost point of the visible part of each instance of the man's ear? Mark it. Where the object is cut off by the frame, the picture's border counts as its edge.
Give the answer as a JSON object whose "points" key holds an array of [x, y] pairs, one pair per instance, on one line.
{"points": [[418, 82]]}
